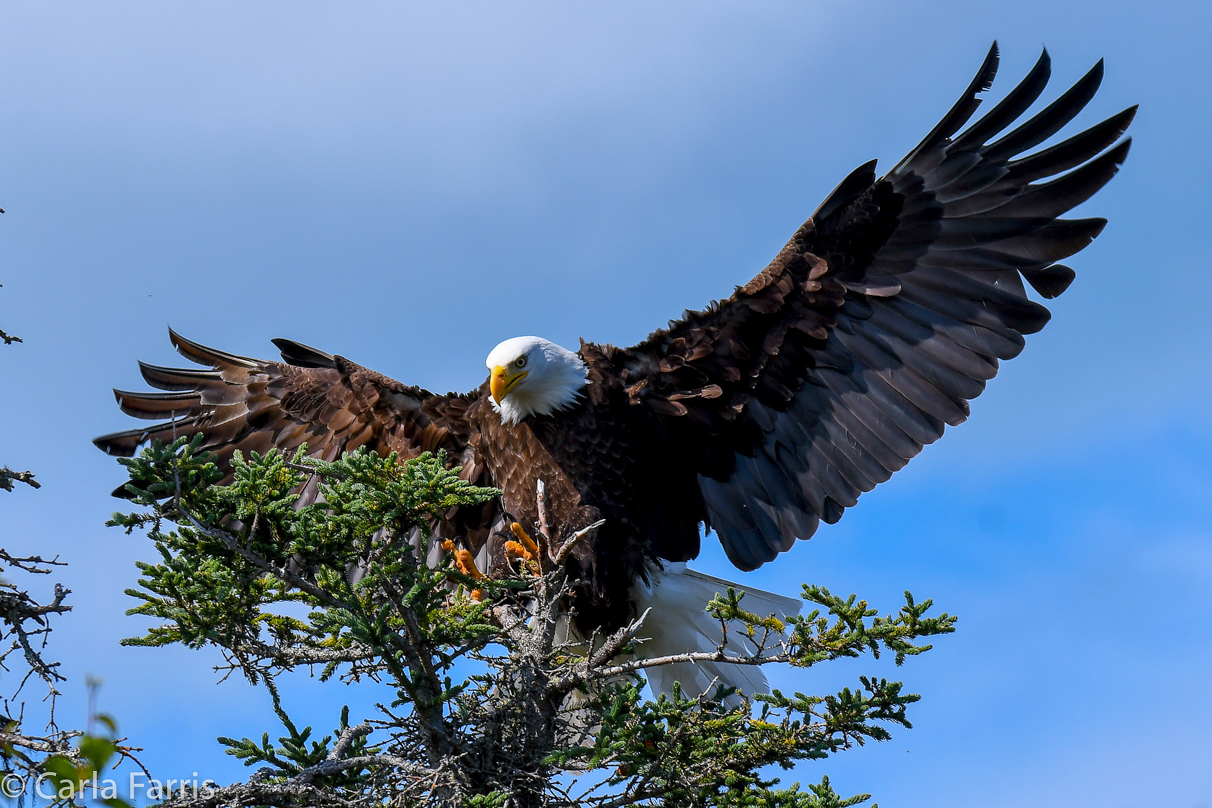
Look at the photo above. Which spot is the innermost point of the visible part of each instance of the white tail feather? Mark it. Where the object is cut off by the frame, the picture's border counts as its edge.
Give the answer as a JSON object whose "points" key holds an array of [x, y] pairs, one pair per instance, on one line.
{"points": [[678, 622]]}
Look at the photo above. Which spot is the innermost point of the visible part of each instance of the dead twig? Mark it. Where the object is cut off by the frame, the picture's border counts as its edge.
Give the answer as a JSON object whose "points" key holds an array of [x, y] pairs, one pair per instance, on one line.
{"points": [[8, 476]]}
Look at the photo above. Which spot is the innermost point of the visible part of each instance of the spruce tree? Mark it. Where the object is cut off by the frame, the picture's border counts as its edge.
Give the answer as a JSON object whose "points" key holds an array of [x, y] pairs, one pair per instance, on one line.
{"points": [[490, 708]]}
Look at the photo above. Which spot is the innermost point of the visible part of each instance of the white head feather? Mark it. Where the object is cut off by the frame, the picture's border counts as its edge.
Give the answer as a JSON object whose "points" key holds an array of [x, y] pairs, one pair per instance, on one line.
{"points": [[554, 377]]}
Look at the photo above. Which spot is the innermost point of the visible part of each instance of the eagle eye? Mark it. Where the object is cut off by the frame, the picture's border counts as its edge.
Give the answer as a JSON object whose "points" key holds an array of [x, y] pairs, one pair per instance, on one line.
{"points": [[521, 362]]}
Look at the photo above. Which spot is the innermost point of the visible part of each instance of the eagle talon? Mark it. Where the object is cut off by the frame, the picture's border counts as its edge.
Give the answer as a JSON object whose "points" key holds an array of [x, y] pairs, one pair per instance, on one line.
{"points": [[466, 564], [524, 548], [515, 550]]}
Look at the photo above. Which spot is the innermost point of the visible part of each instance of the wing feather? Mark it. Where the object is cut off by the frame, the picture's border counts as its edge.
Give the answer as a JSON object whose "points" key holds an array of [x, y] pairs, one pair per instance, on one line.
{"points": [[328, 402], [882, 317]]}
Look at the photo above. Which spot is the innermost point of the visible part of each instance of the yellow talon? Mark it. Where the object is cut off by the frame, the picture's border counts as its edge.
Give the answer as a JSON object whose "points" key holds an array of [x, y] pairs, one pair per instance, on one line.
{"points": [[524, 548], [524, 538], [515, 550], [466, 564]]}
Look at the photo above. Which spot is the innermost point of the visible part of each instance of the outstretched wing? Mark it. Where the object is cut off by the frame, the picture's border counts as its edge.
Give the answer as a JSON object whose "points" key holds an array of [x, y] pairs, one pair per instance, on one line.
{"points": [[881, 318], [328, 402]]}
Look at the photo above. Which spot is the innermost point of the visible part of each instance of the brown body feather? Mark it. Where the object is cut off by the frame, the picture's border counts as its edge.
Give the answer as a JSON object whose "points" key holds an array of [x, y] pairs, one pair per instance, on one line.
{"points": [[762, 415]]}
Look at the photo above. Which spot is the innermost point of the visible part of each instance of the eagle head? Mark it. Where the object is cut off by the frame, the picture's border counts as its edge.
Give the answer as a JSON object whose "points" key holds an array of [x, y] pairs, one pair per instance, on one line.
{"points": [[533, 376]]}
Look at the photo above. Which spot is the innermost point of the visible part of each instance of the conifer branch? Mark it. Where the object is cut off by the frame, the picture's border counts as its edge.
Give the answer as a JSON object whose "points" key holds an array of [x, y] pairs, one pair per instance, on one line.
{"points": [[542, 702]]}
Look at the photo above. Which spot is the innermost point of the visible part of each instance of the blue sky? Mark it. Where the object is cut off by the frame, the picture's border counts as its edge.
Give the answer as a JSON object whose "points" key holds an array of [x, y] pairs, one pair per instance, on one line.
{"points": [[407, 185]]}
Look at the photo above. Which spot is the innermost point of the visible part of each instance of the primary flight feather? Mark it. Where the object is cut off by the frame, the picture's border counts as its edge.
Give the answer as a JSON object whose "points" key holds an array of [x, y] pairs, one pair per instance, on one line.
{"points": [[759, 417]]}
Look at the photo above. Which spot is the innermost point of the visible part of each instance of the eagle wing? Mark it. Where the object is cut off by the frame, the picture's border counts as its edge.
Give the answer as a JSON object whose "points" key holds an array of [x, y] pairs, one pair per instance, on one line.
{"points": [[882, 317], [328, 402]]}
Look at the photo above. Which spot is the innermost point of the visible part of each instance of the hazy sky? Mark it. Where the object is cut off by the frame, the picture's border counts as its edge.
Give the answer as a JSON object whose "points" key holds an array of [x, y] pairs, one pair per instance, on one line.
{"points": [[408, 185]]}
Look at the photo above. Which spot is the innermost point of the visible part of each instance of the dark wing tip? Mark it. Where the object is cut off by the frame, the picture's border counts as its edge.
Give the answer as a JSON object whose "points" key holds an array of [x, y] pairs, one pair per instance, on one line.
{"points": [[857, 181], [120, 444], [157, 405], [304, 356], [177, 379], [1118, 155], [988, 70], [1126, 117], [197, 352], [961, 111], [1051, 281]]}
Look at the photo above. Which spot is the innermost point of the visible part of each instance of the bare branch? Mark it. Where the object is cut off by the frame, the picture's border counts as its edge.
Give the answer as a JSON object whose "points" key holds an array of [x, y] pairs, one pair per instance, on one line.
{"points": [[8, 476], [566, 547]]}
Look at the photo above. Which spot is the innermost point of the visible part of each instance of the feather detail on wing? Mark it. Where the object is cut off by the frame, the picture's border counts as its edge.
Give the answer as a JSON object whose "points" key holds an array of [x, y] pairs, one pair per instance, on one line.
{"points": [[883, 316], [328, 402]]}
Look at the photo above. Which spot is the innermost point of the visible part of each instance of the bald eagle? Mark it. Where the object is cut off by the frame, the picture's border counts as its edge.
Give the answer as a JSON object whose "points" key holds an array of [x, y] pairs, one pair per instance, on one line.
{"points": [[760, 416]]}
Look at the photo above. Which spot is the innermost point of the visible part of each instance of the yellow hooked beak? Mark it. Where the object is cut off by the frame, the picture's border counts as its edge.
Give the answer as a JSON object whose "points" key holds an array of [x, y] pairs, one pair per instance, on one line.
{"points": [[501, 383]]}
